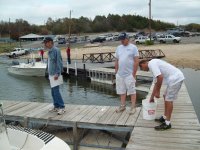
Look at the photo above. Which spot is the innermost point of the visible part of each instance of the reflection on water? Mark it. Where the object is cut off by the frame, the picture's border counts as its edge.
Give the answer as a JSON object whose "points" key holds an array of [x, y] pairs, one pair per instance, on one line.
{"points": [[192, 82], [74, 91]]}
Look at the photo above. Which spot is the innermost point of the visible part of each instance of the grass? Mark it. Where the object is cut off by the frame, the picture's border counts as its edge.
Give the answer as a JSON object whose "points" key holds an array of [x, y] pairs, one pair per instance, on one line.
{"points": [[7, 47]]}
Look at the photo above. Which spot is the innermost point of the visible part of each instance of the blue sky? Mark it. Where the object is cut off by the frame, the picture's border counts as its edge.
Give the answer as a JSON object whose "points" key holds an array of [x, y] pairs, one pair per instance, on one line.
{"points": [[37, 11]]}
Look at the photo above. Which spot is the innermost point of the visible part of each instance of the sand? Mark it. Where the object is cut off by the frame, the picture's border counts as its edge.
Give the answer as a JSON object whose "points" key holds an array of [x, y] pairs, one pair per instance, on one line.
{"points": [[180, 55]]}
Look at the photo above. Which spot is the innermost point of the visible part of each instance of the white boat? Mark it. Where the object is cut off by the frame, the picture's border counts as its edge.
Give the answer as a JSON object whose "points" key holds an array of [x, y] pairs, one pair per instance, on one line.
{"points": [[18, 138], [30, 69]]}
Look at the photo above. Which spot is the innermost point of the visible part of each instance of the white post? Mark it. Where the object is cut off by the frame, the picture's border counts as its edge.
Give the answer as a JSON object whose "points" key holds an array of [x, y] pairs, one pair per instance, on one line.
{"points": [[75, 63]]}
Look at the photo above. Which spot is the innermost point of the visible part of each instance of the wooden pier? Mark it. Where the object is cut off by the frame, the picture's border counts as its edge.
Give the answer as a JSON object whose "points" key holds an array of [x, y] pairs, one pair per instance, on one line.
{"points": [[185, 132], [184, 135]]}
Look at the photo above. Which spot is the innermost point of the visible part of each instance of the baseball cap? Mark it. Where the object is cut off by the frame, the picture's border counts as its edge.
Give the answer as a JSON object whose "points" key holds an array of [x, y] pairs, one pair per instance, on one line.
{"points": [[47, 39], [123, 36]]}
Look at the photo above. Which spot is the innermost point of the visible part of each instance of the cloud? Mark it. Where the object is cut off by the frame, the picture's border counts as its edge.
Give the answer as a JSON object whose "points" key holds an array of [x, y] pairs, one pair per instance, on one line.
{"points": [[38, 11]]}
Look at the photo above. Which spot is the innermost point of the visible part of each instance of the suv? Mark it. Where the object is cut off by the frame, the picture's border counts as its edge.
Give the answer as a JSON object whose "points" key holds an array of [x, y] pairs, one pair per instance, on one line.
{"points": [[98, 39]]}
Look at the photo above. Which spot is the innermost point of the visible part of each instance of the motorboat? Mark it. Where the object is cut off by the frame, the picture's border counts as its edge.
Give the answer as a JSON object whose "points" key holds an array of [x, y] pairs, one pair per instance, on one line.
{"points": [[29, 69], [20, 138]]}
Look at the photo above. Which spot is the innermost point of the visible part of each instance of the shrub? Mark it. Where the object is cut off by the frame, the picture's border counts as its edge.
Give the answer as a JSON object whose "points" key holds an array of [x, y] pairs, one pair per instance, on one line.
{"points": [[149, 42]]}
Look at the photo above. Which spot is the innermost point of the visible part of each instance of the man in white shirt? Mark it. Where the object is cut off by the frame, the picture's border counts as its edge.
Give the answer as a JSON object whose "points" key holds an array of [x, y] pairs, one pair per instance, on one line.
{"points": [[172, 77], [126, 64]]}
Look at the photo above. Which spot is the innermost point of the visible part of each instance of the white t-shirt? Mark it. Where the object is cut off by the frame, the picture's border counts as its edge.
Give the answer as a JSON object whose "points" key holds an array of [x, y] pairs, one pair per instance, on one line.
{"points": [[171, 74], [125, 56]]}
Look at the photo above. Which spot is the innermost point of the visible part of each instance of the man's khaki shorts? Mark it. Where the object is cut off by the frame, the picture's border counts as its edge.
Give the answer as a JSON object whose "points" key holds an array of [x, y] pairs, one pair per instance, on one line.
{"points": [[125, 85], [171, 92]]}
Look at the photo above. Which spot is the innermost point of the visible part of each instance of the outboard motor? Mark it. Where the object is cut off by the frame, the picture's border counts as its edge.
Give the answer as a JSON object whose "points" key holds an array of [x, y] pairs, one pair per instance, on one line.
{"points": [[15, 62]]}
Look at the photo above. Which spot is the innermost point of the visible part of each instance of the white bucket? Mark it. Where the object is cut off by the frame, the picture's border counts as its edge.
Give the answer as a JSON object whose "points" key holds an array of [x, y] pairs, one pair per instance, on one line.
{"points": [[149, 110]]}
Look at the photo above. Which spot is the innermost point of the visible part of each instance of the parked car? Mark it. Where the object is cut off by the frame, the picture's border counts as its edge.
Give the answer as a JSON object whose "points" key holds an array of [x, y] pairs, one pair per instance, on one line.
{"points": [[142, 40], [139, 34], [169, 38], [116, 37], [62, 41], [109, 37], [17, 52], [98, 39]]}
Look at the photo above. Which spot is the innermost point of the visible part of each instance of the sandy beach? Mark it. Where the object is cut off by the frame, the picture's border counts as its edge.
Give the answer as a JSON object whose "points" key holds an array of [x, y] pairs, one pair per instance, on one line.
{"points": [[181, 55]]}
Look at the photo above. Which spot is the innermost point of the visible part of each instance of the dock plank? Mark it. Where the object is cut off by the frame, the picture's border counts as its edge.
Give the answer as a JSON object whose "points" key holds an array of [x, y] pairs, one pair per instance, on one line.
{"points": [[101, 113], [92, 113]]}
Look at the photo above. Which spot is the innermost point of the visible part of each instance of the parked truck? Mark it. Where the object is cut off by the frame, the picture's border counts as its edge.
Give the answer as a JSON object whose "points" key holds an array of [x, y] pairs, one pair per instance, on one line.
{"points": [[169, 39], [17, 52]]}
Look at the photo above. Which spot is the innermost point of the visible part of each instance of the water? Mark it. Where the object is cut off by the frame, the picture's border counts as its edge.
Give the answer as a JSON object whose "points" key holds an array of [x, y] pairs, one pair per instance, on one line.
{"points": [[192, 82], [37, 89]]}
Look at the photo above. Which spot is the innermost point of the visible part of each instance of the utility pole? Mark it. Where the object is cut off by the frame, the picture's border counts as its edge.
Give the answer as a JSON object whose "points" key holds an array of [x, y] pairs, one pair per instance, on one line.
{"points": [[9, 33], [70, 13], [150, 19]]}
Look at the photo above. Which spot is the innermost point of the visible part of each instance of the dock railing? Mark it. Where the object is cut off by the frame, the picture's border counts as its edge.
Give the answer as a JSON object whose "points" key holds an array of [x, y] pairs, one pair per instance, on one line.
{"points": [[98, 57], [110, 56]]}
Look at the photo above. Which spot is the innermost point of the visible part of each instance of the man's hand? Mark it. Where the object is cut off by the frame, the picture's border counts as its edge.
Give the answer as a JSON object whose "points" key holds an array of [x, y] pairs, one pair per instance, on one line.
{"points": [[151, 100], [56, 77]]}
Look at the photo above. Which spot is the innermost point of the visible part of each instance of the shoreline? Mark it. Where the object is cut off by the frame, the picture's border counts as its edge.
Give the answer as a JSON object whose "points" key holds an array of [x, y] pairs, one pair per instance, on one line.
{"points": [[180, 55]]}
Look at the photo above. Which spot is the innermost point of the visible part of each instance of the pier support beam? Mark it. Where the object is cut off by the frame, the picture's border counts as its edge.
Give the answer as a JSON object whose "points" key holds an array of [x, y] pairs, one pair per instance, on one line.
{"points": [[75, 136]]}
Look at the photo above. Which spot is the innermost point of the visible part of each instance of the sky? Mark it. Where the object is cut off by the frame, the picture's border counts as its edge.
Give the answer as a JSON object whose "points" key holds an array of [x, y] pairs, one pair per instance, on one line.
{"points": [[179, 12]]}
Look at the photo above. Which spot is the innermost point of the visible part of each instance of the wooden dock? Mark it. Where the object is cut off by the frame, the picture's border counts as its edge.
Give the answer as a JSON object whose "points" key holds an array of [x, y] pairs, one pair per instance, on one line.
{"points": [[76, 117], [184, 135], [185, 132]]}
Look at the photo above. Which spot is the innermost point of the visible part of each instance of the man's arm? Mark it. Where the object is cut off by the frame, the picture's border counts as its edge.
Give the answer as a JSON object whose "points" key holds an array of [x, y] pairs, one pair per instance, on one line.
{"points": [[156, 89], [116, 66], [135, 67]]}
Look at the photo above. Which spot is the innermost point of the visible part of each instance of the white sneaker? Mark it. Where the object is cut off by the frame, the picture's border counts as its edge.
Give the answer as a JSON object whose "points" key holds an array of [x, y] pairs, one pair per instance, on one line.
{"points": [[53, 109], [61, 111], [132, 110]]}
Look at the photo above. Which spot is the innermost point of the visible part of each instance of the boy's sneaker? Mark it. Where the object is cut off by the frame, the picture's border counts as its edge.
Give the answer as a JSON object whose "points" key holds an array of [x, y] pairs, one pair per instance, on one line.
{"points": [[61, 111], [160, 120], [163, 126], [53, 109], [121, 108]]}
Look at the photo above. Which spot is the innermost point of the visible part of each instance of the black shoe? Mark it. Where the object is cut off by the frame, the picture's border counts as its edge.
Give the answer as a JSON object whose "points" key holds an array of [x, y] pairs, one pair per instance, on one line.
{"points": [[160, 120], [163, 126]]}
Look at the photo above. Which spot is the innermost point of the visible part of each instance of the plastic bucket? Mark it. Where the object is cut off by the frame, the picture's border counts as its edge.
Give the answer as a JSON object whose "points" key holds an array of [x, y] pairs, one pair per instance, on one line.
{"points": [[149, 110]]}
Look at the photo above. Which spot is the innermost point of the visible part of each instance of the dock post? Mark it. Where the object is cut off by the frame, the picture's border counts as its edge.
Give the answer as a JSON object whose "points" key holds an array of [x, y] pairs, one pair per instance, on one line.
{"points": [[26, 122], [67, 67], [75, 69], [75, 136], [84, 70]]}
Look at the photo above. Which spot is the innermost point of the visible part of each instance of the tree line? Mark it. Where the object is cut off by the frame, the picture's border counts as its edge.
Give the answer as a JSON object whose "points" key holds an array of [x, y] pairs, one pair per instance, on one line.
{"points": [[129, 23]]}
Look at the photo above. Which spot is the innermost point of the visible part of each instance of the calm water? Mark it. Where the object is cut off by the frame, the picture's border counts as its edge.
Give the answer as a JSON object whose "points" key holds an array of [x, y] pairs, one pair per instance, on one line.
{"points": [[37, 89], [192, 82]]}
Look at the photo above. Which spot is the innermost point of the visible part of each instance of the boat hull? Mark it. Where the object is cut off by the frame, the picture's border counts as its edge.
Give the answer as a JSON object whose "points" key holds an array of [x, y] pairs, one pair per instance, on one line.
{"points": [[37, 70]]}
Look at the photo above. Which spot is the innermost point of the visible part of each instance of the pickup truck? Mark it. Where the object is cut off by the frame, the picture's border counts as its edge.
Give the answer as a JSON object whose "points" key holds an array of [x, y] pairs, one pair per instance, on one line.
{"points": [[17, 52], [169, 38]]}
